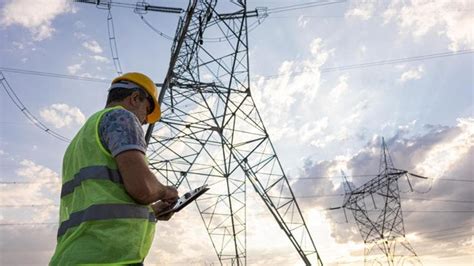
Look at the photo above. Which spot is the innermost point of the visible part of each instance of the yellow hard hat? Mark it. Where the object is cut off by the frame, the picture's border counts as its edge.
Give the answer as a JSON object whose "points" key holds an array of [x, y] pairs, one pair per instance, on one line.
{"points": [[149, 86]]}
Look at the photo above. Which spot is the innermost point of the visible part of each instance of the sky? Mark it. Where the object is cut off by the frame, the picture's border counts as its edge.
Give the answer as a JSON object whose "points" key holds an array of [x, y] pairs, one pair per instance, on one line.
{"points": [[329, 82]]}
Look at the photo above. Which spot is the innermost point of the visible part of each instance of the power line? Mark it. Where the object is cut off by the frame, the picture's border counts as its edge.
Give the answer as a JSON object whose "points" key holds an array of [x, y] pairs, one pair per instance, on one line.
{"points": [[29, 206], [378, 63], [446, 233], [323, 70], [28, 224], [311, 196], [440, 200], [26, 183], [157, 31], [454, 180], [302, 6], [294, 179], [335, 177], [418, 199], [139, 7], [54, 75], [432, 211], [444, 230], [261, 214], [452, 236], [12, 95], [442, 211]]}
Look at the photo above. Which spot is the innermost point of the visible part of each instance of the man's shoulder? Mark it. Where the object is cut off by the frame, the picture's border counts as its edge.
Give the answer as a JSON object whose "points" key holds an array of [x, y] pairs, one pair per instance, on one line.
{"points": [[120, 130], [120, 113], [119, 118]]}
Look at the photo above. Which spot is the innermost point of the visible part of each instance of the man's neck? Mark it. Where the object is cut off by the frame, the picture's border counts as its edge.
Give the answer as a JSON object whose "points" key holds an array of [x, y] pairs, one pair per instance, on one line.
{"points": [[115, 104]]}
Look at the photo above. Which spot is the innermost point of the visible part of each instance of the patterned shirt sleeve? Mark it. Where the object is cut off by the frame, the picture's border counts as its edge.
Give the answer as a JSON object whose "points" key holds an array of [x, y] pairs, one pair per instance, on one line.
{"points": [[120, 130]]}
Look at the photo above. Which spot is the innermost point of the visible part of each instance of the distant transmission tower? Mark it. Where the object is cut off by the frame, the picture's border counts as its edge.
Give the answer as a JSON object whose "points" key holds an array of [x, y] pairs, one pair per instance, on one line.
{"points": [[382, 226], [211, 132]]}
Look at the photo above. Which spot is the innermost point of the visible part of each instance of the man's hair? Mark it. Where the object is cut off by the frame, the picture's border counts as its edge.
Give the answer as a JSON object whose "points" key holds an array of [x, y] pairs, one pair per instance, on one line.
{"points": [[118, 94]]}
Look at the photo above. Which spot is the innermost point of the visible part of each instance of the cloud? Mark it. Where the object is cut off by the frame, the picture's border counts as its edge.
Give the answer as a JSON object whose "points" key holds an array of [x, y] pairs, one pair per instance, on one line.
{"points": [[412, 74], [101, 59], [81, 36], [340, 88], [452, 19], [41, 183], [19, 45], [303, 21], [443, 156], [92, 46], [62, 115], [291, 92], [73, 69], [37, 16], [312, 128], [364, 10]]}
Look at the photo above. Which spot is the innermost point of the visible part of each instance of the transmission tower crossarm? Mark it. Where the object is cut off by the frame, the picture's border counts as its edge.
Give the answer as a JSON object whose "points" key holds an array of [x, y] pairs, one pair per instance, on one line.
{"points": [[419, 176], [239, 15], [139, 7], [377, 182]]}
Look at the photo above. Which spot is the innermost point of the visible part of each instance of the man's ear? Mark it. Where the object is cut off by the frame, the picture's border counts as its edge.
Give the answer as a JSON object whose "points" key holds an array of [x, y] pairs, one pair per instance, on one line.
{"points": [[134, 98]]}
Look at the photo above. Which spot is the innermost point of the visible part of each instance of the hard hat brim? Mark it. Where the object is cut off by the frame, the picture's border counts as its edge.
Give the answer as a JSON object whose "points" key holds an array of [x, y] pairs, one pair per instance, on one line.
{"points": [[155, 115]]}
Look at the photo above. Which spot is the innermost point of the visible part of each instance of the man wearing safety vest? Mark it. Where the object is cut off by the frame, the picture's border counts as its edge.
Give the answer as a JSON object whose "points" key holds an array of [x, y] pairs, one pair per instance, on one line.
{"points": [[106, 212]]}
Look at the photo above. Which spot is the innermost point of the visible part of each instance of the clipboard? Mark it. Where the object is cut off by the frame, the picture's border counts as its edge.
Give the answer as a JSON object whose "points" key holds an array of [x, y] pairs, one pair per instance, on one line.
{"points": [[184, 200]]}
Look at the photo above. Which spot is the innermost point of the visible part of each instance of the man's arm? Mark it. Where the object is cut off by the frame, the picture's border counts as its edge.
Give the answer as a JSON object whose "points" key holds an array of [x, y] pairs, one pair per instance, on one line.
{"points": [[140, 183]]}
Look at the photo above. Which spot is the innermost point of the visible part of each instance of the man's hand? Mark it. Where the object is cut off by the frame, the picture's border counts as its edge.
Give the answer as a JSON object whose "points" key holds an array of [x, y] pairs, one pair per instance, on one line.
{"points": [[170, 195], [161, 206]]}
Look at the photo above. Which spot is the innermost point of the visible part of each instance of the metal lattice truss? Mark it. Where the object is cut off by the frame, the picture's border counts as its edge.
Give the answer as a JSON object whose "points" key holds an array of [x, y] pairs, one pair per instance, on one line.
{"points": [[381, 225], [211, 133]]}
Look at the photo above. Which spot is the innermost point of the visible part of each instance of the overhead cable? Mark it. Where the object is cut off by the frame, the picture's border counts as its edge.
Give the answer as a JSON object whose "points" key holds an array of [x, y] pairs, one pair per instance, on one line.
{"points": [[18, 103], [303, 6], [323, 70], [372, 175], [53, 75], [157, 31], [377, 63], [141, 6], [261, 214], [445, 229], [441, 200], [289, 179]]}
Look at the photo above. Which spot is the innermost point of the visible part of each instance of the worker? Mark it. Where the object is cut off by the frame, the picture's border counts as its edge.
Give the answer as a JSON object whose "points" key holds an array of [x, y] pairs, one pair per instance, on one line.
{"points": [[110, 200]]}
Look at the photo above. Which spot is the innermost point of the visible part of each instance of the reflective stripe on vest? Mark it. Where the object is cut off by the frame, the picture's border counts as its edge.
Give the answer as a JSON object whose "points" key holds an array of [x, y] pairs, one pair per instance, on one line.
{"points": [[106, 212], [92, 172]]}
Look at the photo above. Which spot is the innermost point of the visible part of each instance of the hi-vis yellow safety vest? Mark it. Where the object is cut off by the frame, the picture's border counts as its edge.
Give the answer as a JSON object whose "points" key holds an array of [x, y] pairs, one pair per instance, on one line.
{"points": [[99, 222]]}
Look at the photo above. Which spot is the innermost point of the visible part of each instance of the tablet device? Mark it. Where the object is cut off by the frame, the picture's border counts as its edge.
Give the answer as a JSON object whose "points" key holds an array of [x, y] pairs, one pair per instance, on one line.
{"points": [[184, 200]]}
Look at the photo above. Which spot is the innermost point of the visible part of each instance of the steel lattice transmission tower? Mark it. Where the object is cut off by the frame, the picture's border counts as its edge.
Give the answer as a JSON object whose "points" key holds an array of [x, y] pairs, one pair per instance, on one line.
{"points": [[211, 132], [377, 210]]}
